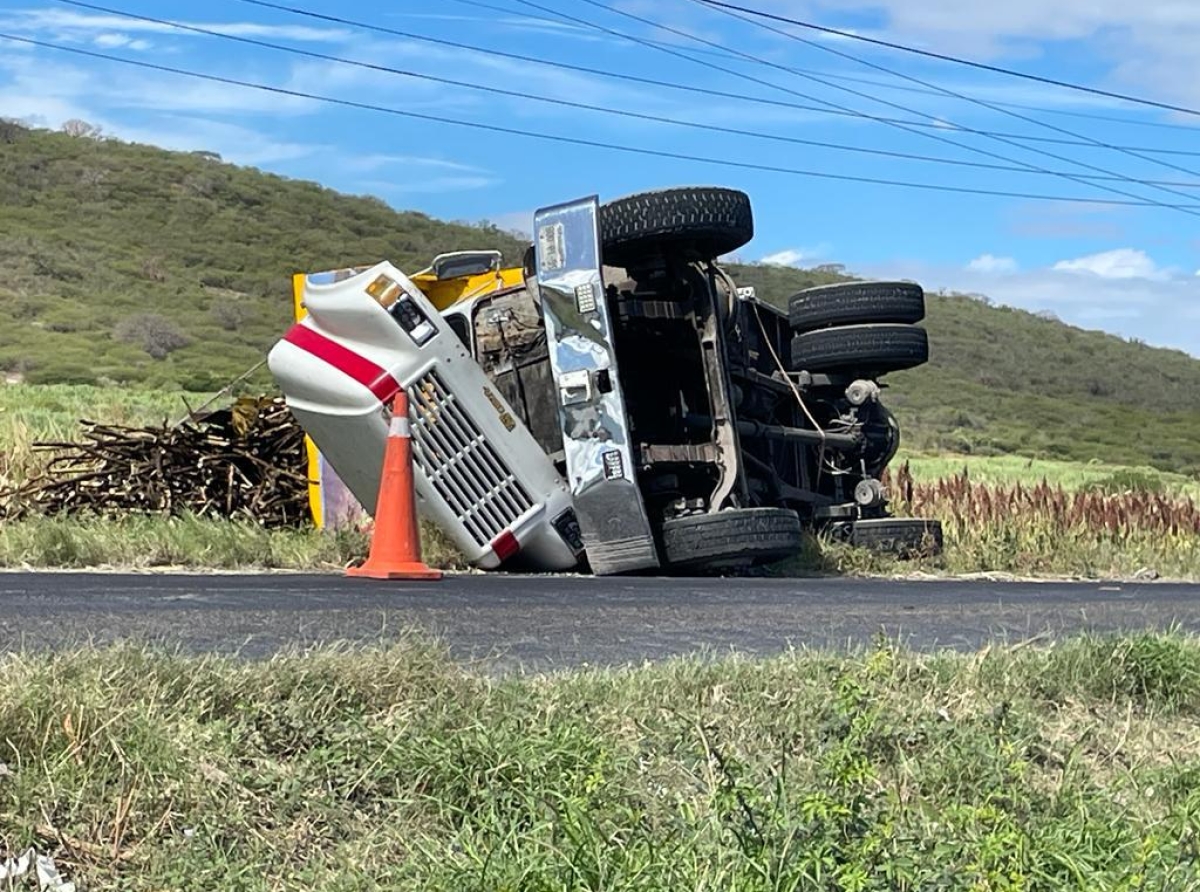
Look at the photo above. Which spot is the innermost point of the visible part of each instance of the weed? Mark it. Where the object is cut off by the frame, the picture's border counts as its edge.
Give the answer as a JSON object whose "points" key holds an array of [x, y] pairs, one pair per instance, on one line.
{"points": [[393, 768]]}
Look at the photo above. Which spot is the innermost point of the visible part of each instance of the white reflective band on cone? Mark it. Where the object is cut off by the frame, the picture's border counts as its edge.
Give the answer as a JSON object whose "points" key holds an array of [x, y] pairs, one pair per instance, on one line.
{"points": [[400, 427]]}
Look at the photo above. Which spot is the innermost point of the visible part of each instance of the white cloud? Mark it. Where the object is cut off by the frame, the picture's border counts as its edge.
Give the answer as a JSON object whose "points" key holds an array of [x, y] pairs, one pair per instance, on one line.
{"points": [[183, 121], [784, 258], [989, 263], [234, 143], [428, 185], [111, 40], [1122, 263], [796, 256], [65, 23], [40, 104], [66, 91], [1147, 306], [370, 163], [1146, 45], [534, 24], [412, 174], [520, 222]]}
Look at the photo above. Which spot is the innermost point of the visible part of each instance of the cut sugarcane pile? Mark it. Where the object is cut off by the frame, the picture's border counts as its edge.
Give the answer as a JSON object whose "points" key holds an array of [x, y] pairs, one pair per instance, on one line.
{"points": [[246, 461]]}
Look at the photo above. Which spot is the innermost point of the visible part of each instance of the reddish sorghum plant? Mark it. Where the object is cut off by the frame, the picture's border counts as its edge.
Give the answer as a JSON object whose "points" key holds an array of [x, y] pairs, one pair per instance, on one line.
{"points": [[964, 506]]}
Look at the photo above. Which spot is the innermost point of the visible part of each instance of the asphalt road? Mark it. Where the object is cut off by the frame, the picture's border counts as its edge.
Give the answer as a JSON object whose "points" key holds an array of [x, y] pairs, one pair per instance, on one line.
{"points": [[548, 622]]}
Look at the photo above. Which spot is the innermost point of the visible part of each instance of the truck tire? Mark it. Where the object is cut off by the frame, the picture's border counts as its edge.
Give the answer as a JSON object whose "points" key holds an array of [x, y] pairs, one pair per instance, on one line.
{"points": [[904, 537], [855, 303], [707, 221], [865, 350], [737, 538]]}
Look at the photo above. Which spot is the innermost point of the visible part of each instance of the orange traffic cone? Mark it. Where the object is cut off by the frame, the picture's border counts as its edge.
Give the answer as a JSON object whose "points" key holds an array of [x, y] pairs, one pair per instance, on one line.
{"points": [[396, 541]]}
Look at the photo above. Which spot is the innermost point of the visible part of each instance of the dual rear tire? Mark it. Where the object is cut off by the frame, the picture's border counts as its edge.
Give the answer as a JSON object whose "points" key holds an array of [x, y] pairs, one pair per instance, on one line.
{"points": [[866, 329]]}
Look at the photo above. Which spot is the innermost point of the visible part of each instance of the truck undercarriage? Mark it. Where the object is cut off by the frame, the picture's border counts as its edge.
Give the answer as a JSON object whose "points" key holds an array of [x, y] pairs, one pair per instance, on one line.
{"points": [[696, 427]]}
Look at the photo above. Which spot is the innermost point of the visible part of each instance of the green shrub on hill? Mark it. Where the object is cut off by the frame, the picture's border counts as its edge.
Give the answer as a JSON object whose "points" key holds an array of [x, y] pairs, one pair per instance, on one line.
{"points": [[101, 239]]}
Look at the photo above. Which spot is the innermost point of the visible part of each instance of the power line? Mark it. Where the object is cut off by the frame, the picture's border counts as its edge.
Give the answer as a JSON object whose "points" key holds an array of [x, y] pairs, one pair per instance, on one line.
{"points": [[687, 88], [578, 141], [493, 7], [872, 98], [583, 106], [726, 54], [996, 69], [859, 93], [940, 89]]}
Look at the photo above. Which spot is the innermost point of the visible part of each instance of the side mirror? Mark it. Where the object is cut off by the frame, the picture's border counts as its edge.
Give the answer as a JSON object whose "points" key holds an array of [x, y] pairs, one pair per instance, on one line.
{"points": [[461, 264]]}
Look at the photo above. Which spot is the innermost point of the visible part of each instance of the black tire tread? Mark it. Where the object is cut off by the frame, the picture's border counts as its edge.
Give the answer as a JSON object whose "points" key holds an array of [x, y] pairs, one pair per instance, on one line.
{"points": [[854, 303], [748, 535], [861, 349], [709, 220], [905, 537]]}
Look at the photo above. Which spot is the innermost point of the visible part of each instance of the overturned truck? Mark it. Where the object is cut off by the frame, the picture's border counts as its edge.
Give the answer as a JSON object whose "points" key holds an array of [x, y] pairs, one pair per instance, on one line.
{"points": [[618, 404]]}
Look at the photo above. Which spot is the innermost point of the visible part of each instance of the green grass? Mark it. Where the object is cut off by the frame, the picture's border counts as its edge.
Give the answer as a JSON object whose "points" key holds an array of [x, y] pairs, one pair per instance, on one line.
{"points": [[32, 414], [1006, 470], [1019, 549], [139, 543], [147, 542], [1073, 767], [52, 411], [189, 543]]}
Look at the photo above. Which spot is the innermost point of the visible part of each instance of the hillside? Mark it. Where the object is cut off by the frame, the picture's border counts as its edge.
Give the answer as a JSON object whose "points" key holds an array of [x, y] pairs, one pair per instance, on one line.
{"points": [[133, 265], [111, 252]]}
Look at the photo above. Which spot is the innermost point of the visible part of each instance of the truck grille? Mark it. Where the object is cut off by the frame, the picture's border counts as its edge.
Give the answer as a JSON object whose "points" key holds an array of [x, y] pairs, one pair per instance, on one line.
{"points": [[461, 464]]}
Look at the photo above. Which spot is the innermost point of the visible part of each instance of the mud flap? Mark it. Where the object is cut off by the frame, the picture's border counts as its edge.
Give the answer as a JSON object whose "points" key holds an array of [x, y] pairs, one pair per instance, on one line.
{"points": [[591, 405]]}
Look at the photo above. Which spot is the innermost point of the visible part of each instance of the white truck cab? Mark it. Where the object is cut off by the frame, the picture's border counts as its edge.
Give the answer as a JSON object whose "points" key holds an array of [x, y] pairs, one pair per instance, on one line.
{"points": [[480, 475]]}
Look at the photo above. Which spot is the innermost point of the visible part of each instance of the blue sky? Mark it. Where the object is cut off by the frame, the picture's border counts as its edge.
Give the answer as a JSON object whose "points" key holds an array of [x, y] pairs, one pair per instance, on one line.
{"points": [[1129, 270]]}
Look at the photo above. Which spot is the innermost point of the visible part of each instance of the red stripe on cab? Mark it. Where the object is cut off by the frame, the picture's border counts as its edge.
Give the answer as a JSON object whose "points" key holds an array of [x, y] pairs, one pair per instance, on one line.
{"points": [[375, 378]]}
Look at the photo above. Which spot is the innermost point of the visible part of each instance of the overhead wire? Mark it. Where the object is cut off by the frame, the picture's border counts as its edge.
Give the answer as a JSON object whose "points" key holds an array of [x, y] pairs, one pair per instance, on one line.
{"points": [[582, 106], [726, 54], [580, 141], [945, 91], [944, 57], [859, 93], [518, 16], [497, 52]]}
